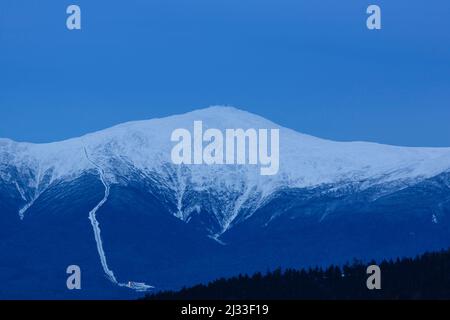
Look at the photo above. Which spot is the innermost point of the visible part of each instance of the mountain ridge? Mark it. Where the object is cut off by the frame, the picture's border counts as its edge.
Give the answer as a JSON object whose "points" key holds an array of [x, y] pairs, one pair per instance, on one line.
{"points": [[211, 109]]}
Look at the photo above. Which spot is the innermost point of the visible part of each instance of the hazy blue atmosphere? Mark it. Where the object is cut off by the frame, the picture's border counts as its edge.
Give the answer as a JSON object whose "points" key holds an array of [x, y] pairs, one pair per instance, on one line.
{"points": [[309, 65]]}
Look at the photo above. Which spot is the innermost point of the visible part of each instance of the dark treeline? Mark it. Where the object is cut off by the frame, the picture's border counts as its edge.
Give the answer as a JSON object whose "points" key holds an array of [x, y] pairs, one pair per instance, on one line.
{"points": [[424, 277]]}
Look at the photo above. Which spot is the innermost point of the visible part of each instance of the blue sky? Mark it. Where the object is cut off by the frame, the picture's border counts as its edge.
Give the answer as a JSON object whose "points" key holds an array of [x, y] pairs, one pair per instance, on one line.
{"points": [[309, 65]]}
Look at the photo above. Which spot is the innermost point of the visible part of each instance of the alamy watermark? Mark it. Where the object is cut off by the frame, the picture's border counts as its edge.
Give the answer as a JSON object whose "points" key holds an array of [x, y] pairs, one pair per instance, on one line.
{"points": [[73, 21], [74, 280], [232, 147], [374, 280]]}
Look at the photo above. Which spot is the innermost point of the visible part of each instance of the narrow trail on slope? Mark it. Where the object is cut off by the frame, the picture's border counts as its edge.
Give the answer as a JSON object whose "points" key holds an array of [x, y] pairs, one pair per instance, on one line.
{"points": [[97, 233]]}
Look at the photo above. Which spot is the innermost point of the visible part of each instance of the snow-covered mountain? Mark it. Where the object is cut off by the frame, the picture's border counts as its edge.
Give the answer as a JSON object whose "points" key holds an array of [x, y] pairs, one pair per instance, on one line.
{"points": [[129, 170], [141, 150]]}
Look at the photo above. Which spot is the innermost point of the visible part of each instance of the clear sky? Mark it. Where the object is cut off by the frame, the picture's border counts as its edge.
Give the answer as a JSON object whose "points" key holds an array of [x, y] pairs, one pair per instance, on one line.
{"points": [[309, 65]]}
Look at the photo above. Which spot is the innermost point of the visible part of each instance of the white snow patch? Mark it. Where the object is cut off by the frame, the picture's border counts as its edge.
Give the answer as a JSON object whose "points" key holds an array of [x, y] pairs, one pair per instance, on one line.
{"points": [[434, 219], [21, 192]]}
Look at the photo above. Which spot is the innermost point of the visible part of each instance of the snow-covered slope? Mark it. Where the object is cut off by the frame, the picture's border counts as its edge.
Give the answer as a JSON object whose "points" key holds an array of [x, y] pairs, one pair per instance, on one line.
{"points": [[142, 149]]}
